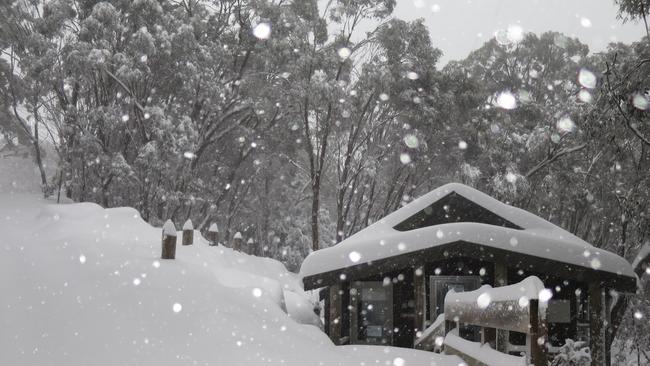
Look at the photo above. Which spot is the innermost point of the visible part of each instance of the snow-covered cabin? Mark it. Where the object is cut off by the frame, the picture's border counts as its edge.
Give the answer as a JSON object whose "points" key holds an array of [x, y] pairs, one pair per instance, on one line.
{"points": [[387, 282]]}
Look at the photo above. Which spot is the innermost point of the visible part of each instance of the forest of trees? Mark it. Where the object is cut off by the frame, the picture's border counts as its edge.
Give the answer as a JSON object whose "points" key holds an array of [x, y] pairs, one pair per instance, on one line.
{"points": [[298, 125]]}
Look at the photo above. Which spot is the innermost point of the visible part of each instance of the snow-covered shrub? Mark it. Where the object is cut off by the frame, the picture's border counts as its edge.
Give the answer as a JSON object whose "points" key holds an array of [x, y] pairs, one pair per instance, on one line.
{"points": [[573, 353]]}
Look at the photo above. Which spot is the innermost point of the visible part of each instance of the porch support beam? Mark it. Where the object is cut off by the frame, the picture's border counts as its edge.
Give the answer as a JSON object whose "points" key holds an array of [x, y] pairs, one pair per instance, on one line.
{"points": [[501, 279], [419, 283], [335, 313], [597, 321]]}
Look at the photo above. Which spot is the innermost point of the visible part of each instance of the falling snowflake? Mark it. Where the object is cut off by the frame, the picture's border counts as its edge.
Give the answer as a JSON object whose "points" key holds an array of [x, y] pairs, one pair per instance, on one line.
{"points": [[545, 295], [405, 158], [257, 292], [354, 256], [262, 31], [177, 307], [398, 361], [640, 101], [585, 22], [587, 78], [411, 141], [523, 301], [565, 124], [515, 33], [595, 263], [484, 300], [506, 100], [344, 52], [82, 259], [462, 145], [585, 96], [511, 177], [412, 75]]}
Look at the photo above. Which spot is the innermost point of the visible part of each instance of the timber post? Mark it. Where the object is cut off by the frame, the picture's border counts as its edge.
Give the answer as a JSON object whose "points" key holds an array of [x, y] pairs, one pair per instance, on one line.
{"points": [[501, 279], [419, 284], [188, 232], [537, 335], [335, 313], [250, 246], [168, 240], [608, 328], [596, 324], [237, 241], [213, 235]]}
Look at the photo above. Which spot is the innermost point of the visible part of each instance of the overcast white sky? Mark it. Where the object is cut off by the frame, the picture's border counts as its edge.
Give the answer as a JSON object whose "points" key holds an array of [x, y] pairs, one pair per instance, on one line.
{"points": [[460, 26]]}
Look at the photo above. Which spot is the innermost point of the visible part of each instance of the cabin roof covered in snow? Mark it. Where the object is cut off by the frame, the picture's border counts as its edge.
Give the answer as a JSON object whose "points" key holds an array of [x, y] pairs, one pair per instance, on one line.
{"points": [[519, 232], [213, 228], [188, 225]]}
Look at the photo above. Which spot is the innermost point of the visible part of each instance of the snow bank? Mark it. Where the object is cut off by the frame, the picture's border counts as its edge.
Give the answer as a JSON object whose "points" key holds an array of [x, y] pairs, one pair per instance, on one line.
{"points": [[539, 238], [83, 285]]}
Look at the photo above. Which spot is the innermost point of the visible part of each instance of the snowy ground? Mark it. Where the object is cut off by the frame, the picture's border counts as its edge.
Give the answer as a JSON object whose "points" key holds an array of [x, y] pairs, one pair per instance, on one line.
{"points": [[83, 285]]}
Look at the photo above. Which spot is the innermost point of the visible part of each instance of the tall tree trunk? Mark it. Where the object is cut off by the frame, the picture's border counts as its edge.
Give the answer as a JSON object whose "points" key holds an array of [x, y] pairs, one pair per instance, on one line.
{"points": [[315, 207], [39, 159]]}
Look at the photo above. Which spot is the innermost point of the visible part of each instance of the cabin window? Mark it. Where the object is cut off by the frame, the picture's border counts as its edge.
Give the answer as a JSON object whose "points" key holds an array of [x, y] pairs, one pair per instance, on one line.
{"points": [[450, 209], [371, 313]]}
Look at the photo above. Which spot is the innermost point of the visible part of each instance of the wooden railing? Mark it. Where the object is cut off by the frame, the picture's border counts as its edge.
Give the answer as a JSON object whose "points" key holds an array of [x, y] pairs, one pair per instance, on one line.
{"points": [[496, 318]]}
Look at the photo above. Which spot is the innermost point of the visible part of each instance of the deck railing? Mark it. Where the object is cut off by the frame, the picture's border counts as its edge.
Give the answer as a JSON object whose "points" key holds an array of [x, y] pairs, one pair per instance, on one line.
{"points": [[497, 313]]}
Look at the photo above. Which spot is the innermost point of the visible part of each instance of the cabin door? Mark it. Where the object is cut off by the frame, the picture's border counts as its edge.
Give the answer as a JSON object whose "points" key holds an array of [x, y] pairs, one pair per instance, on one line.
{"points": [[371, 313]]}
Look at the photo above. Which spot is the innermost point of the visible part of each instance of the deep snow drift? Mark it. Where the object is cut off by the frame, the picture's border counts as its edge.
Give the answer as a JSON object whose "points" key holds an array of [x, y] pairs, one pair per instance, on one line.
{"points": [[83, 285]]}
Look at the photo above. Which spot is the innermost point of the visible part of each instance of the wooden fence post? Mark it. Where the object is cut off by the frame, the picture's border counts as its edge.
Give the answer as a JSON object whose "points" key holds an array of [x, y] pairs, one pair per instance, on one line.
{"points": [[188, 232], [168, 240], [250, 246], [213, 235], [237, 241]]}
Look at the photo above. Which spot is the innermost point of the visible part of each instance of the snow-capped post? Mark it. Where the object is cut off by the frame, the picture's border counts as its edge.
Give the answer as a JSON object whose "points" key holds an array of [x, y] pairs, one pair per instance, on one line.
{"points": [[213, 234], [188, 232], [237, 241], [168, 240], [250, 246]]}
